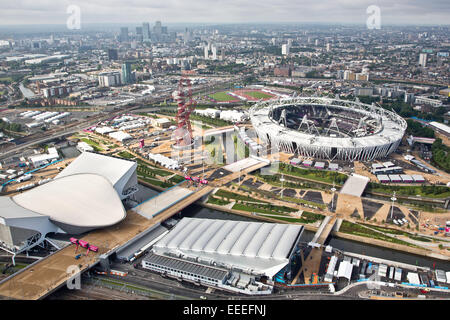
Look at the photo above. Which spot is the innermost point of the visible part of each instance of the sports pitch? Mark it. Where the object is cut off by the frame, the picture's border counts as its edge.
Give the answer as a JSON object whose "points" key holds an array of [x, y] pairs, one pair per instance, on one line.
{"points": [[222, 96], [258, 94]]}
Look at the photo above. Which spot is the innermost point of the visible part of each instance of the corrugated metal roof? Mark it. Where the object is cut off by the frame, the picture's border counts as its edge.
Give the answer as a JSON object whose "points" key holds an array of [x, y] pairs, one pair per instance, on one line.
{"points": [[248, 245]]}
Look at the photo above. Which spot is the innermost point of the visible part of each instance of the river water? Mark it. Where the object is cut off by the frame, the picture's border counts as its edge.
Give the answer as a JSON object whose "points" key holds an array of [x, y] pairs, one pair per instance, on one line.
{"points": [[196, 211]]}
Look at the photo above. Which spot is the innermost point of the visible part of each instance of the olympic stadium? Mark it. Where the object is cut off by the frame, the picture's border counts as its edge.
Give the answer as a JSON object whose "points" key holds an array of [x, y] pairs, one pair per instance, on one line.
{"points": [[326, 128]]}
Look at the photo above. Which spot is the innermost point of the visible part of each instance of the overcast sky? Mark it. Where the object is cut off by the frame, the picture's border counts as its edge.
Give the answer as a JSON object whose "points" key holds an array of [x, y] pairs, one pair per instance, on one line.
{"points": [[224, 11]]}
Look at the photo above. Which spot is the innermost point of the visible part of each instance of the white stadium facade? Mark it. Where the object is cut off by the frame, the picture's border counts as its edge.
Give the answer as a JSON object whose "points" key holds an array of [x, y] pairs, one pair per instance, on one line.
{"points": [[326, 128], [86, 195]]}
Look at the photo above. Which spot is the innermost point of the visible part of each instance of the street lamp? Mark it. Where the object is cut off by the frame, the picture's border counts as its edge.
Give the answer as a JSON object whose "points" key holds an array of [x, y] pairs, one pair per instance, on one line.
{"points": [[333, 190], [392, 206]]}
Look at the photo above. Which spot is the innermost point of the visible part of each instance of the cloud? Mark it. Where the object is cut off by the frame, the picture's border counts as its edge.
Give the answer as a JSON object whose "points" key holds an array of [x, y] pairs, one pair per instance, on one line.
{"points": [[222, 11]]}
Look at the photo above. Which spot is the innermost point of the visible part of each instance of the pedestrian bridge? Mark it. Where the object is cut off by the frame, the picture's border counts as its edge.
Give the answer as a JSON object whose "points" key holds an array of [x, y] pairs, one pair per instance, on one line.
{"points": [[43, 277]]}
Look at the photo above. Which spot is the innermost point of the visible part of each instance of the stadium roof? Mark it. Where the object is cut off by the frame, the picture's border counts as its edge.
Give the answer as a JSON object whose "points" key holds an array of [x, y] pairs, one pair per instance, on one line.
{"points": [[254, 247], [392, 130], [81, 200]]}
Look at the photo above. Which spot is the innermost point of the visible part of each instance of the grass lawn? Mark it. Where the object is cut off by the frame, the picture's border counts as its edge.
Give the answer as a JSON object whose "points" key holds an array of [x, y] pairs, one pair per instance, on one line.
{"points": [[258, 94], [425, 191], [126, 155], [270, 209], [306, 218], [359, 230], [302, 201], [92, 143], [222, 96], [318, 175], [231, 195], [147, 167], [156, 182], [176, 179], [217, 201]]}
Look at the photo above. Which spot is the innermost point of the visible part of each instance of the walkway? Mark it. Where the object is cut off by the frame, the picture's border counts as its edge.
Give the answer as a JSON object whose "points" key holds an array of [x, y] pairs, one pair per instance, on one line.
{"points": [[46, 275]]}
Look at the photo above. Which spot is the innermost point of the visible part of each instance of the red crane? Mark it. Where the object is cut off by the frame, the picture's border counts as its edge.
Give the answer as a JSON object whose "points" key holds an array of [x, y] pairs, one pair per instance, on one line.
{"points": [[183, 97]]}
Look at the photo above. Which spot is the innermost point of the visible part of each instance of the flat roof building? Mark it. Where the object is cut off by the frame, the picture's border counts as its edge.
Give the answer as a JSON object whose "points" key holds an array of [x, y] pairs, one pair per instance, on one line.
{"points": [[308, 163], [333, 166], [418, 178], [319, 165], [383, 178], [395, 178]]}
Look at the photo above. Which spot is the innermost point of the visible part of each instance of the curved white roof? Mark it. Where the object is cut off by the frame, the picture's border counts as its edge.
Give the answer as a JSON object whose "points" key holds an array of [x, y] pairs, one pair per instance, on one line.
{"points": [[81, 200], [111, 168], [262, 248]]}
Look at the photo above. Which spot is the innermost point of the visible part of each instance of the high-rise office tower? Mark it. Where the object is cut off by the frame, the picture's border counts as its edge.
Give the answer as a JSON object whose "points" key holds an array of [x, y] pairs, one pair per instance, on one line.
{"points": [[127, 77], [123, 34], [146, 32], [214, 52], [285, 49], [157, 30], [139, 36], [423, 59], [113, 54]]}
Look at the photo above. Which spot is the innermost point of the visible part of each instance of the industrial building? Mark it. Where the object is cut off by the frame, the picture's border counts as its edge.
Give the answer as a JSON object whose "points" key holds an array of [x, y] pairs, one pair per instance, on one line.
{"points": [[232, 255], [327, 128], [86, 195]]}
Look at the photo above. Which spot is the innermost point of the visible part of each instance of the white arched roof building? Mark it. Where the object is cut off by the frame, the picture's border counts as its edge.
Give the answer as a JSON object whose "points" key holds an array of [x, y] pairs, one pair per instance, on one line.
{"points": [[86, 195], [253, 247]]}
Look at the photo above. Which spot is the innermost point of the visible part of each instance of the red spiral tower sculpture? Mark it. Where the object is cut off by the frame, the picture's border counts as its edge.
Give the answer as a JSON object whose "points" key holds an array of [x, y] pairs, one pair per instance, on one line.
{"points": [[183, 97]]}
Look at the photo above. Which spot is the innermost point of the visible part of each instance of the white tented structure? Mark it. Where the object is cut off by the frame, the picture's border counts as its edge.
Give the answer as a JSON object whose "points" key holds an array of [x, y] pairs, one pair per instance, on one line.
{"points": [[209, 112], [326, 128], [120, 136], [233, 116], [164, 161]]}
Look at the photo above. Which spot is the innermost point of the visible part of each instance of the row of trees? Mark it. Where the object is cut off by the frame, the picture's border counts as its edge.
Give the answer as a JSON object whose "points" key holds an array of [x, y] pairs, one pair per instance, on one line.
{"points": [[8, 126], [416, 129], [441, 155]]}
